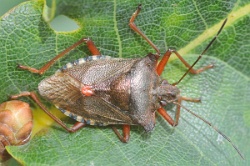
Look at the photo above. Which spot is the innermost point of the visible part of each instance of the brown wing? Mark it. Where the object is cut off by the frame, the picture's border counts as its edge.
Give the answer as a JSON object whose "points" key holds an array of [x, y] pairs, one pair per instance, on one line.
{"points": [[64, 87], [60, 89], [96, 111], [63, 90], [97, 71]]}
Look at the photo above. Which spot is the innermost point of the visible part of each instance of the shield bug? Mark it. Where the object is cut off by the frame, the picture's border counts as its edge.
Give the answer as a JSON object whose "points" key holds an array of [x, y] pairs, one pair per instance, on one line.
{"points": [[15, 125], [99, 90]]}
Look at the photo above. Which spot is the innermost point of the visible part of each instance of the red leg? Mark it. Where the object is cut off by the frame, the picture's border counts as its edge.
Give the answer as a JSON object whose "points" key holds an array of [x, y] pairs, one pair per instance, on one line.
{"points": [[166, 56], [90, 45], [34, 97], [136, 29], [77, 126], [92, 48], [125, 131], [168, 118], [164, 61]]}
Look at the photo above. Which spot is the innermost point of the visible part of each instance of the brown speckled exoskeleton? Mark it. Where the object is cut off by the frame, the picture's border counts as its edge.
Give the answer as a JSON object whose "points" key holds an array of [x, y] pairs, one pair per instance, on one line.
{"points": [[99, 90]]}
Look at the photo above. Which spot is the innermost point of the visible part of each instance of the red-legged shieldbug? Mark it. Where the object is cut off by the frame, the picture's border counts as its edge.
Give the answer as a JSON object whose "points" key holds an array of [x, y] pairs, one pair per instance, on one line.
{"points": [[15, 125], [100, 90]]}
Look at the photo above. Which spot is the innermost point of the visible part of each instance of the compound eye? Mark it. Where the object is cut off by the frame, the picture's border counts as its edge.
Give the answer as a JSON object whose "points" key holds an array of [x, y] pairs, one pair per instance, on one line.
{"points": [[165, 82], [163, 103]]}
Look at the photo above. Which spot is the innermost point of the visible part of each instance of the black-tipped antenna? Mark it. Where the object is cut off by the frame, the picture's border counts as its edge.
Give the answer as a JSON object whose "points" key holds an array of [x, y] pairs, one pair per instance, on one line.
{"points": [[215, 128], [205, 50]]}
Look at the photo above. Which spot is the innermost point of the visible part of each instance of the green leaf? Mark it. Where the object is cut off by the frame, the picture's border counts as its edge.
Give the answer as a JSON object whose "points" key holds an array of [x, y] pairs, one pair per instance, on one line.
{"points": [[188, 26]]}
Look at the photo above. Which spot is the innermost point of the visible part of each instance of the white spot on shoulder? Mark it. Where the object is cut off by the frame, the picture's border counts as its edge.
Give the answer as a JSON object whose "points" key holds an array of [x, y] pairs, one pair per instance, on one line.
{"points": [[69, 65], [67, 113], [79, 118], [92, 122], [81, 61]]}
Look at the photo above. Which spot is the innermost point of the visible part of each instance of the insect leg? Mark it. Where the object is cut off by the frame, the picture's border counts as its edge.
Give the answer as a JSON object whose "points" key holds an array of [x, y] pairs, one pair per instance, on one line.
{"points": [[166, 56], [190, 99], [92, 48], [77, 126], [125, 131], [164, 60], [34, 97], [168, 118], [136, 29], [90, 45]]}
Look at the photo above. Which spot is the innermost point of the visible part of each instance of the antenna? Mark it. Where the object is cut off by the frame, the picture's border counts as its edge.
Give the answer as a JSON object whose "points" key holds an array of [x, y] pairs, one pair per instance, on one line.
{"points": [[205, 50], [214, 127]]}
